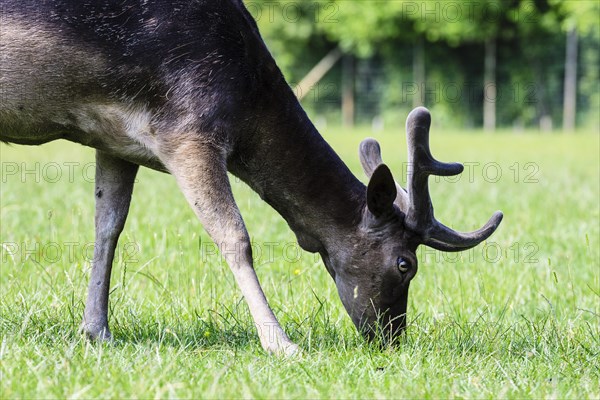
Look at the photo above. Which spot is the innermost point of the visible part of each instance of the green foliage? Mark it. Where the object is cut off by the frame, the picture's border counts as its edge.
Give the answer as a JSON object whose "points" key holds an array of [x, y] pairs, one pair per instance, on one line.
{"points": [[359, 28], [521, 322], [582, 15], [464, 21], [382, 34]]}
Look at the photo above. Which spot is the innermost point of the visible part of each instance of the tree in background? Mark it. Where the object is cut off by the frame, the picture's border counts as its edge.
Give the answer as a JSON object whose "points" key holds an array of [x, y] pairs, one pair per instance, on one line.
{"points": [[482, 22], [575, 19], [506, 58]]}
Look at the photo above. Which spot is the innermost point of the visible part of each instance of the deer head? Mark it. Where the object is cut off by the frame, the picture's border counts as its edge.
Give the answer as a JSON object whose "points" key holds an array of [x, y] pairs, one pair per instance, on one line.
{"points": [[374, 271]]}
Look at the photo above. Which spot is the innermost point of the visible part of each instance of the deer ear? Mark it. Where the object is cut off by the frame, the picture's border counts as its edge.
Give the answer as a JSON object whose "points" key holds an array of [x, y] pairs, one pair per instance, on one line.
{"points": [[381, 191]]}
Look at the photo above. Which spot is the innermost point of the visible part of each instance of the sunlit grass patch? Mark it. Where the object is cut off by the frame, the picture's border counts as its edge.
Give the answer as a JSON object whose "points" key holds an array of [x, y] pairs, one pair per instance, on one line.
{"points": [[517, 316]]}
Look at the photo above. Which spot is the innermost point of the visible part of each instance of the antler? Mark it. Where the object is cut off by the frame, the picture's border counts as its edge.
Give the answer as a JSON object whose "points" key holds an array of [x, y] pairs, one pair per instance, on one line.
{"points": [[416, 202], [420, 213], [370, 158]]}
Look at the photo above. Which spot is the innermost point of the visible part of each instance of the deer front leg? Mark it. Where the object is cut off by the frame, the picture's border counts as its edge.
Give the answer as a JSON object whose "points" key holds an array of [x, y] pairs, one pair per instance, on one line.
{"points": [[201, 172], [114, 185]]}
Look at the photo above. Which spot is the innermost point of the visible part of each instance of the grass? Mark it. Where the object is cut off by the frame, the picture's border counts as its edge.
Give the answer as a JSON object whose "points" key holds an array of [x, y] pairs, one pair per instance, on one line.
{"points": [[518, 316]]}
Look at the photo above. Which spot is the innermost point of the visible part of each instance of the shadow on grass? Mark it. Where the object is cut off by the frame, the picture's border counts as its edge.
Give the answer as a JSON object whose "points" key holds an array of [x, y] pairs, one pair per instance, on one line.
{"points": [[544, 336], [50, 326]]}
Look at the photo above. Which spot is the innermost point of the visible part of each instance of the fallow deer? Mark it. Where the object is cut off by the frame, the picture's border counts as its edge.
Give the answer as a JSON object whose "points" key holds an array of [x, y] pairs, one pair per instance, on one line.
{"points": [[189, 88]]}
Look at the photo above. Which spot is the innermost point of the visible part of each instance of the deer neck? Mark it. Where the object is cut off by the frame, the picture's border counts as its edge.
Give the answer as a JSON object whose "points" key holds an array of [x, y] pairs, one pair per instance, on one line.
{"points": [[287, 162]]}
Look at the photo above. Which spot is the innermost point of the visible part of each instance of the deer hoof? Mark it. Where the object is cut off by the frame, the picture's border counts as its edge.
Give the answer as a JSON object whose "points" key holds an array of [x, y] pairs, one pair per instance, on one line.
{"points": [[293, 350], [96, 332], [285, 349]]}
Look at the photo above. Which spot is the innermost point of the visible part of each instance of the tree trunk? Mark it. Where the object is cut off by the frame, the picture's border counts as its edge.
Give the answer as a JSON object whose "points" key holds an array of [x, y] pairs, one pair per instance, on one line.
{"points": [[419, 72], [570, 89], [489, 86], [348, 91]]}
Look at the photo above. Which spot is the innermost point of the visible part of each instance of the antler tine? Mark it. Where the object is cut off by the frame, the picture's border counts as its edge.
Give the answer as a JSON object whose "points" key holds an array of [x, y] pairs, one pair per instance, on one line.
{"points": [[421, 164], [370, 159], [370, 155], [446, 239]]}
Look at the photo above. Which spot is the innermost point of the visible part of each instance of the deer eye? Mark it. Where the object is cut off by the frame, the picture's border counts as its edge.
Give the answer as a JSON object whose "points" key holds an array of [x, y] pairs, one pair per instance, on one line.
{"points": [[402, 265]]}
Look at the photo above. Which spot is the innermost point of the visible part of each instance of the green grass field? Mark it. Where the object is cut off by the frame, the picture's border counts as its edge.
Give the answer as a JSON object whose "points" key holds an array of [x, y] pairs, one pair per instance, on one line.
{"points": [[518, 316]]}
